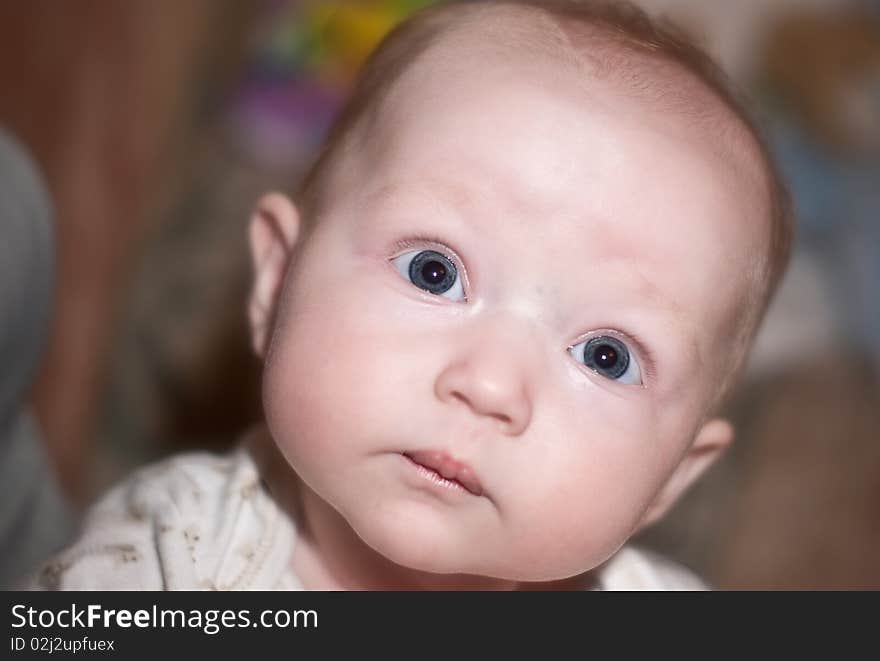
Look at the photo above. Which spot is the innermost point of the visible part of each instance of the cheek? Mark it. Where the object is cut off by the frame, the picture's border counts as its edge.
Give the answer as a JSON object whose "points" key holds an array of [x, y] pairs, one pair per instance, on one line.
{"points": [[598, 463], [320, 373], [335, 379]]}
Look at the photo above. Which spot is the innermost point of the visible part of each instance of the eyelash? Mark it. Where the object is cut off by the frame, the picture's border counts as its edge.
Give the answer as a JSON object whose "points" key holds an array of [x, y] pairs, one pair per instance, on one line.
{"points": [[648, 362]]}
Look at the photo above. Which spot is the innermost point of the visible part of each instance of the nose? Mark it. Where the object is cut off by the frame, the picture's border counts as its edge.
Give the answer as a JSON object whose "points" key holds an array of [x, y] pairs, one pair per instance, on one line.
{"points": [[491, 382]]}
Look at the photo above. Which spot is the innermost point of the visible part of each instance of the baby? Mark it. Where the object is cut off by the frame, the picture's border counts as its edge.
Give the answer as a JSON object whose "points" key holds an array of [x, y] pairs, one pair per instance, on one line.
{"points": [[496, 324]]}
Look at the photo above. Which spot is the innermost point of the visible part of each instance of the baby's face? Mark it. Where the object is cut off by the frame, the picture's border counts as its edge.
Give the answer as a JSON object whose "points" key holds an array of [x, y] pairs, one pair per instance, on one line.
{"points": [[499, 343]]}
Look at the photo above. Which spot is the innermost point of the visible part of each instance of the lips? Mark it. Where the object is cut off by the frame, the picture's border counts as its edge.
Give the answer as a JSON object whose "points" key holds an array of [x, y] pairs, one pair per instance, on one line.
{"points": [[448, 468]]}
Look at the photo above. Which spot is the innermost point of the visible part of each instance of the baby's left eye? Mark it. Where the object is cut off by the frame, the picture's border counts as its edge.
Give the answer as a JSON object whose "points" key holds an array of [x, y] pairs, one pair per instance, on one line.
{"points": [[431, 271], [608, 356]]}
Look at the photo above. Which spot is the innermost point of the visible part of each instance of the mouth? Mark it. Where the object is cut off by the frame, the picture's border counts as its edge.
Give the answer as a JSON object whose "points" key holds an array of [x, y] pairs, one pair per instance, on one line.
{"points": [[445, 470]]}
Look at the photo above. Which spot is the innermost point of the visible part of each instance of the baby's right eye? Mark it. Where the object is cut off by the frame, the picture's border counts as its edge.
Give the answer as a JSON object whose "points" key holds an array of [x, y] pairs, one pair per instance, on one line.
{"points": [[432, 272]]}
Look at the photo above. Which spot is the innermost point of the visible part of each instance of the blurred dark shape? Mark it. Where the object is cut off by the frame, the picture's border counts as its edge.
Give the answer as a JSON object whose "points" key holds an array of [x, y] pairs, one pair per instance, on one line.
{"points": [[103, 93], [809, 512], [34, 518]]}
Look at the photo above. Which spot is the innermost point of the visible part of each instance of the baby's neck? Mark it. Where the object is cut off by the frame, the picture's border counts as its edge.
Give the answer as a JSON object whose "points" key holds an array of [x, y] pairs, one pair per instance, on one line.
{"points": [[329, 555]]}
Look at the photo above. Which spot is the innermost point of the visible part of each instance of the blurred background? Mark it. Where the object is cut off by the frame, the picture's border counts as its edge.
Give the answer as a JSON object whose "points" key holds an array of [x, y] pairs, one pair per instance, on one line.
{"points": [[158, 123]]}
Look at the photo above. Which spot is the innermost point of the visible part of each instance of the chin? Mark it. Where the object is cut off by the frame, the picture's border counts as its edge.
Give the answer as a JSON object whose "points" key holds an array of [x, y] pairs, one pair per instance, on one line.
{"points": [[414, 540], [422, 555], [425, 546]]}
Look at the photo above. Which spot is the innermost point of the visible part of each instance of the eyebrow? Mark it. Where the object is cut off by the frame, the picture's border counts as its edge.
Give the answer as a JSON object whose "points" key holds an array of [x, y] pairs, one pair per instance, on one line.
{"points": [[670, 309], [452, 198]]}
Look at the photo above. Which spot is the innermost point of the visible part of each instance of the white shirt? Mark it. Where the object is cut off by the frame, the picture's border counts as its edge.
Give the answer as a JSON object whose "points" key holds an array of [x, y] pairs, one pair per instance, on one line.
{"points": [[206, 522]]}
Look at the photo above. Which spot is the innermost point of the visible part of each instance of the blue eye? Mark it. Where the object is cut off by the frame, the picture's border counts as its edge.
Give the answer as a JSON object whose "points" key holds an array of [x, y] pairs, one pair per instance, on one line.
{"points": [[608, 356], [431, 271]]}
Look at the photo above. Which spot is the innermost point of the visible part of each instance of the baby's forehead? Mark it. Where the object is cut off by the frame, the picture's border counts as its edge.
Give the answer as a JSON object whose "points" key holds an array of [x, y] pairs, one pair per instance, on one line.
{"points": [[526, 40], [487, 43], [512, 54]]}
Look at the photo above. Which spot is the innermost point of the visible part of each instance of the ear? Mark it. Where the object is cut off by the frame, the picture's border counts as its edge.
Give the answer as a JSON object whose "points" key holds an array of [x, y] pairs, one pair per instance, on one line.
{"points": [[274, 231], [711, 440]]}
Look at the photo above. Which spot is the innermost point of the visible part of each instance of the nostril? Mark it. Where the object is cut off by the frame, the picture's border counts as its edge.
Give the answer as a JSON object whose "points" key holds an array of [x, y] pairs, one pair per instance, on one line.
{"points": [[505, 419], [501, 417]]}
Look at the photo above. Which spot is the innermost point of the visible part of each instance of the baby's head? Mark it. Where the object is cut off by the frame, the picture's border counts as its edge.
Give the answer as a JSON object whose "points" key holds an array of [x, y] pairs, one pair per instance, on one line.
{"points": [[499, 320]]}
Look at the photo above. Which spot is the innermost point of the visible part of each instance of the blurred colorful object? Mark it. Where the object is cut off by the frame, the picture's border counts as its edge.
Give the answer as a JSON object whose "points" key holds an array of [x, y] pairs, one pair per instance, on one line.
{"points": [[305, 57]]}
